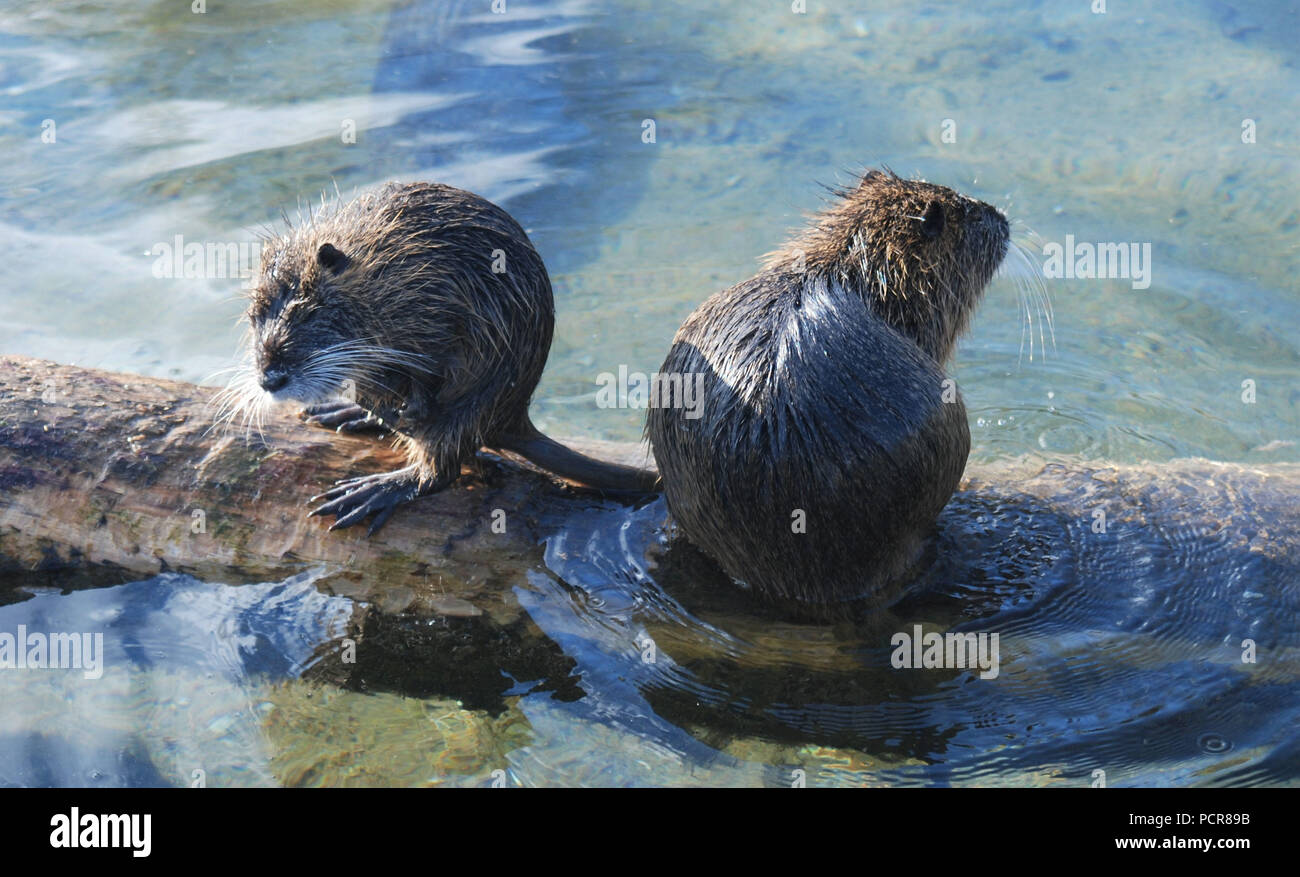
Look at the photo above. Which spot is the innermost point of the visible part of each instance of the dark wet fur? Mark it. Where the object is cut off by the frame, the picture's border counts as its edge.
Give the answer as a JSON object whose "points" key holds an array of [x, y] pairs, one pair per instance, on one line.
{"points": [[824, 395], [395, 291]]}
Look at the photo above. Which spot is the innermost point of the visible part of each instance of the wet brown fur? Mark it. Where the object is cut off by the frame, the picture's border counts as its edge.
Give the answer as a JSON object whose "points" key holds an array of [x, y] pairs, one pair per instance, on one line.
{"points": [[870, 240], [395, 291], [824, 400]]}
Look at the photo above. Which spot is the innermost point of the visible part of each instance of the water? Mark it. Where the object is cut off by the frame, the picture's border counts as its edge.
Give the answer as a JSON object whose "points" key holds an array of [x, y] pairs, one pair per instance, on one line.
{"points": [[1122, 127]]}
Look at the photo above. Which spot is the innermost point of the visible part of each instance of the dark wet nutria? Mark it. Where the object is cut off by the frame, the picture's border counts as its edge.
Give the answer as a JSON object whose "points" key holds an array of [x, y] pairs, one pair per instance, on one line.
{"points": [[432, 304], [828, 440]]}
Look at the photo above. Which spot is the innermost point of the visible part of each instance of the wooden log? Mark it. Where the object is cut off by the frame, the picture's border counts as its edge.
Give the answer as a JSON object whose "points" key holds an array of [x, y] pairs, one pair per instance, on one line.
{"points": [[106, 474]]}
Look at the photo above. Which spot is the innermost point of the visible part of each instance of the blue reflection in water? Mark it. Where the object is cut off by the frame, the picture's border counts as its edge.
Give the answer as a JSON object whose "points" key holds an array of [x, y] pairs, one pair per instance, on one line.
{"points": [[1119, 652], [231, 638]]}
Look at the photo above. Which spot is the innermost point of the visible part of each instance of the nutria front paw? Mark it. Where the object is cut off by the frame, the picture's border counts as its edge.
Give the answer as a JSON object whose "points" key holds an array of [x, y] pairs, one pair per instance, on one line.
{"points": [[344, 417], [354, 499]]}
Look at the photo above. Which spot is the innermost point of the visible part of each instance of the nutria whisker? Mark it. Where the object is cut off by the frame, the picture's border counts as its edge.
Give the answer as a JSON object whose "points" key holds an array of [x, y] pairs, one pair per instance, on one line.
{"points": [[1035, 277], [241, 396], [1034, 268], [359, 355], [1023, 296], [1034, 288], [230, 369]]}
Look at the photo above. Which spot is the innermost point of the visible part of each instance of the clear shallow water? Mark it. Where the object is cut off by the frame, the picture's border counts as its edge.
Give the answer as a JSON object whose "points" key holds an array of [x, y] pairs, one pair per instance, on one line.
{"points": [[1124, 127]]}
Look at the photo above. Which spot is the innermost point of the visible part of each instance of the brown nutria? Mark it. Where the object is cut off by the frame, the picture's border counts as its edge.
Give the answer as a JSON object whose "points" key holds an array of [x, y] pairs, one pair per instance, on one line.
{"points": [[433, 305], [828, 440]]}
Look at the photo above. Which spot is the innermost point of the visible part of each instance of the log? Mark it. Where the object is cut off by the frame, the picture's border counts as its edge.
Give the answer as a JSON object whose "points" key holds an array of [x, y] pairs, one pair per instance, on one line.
{"points": [[111, 477]]}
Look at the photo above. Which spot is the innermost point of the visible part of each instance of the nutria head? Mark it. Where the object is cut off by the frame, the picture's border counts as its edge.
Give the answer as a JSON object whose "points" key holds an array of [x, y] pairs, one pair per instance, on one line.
{"points": [[920, 254], [303, 346]]}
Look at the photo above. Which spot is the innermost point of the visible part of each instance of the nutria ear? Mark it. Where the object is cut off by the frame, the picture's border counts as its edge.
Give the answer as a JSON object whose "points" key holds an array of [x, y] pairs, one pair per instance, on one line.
{"points": [[331, 258]]}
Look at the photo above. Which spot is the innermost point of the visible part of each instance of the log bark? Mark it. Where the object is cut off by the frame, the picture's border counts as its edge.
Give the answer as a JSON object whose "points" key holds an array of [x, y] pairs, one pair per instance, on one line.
{"points": [[107, 476]]}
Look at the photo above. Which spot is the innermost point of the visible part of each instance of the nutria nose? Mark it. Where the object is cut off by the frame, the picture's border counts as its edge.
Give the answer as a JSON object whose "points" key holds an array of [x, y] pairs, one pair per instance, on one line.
{"points": [[272, 381], [1000, 221]]}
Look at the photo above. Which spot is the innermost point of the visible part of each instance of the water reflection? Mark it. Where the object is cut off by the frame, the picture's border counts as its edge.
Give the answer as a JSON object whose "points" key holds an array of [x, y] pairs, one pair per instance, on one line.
{"points": [[1120, 651], [186, 667]]}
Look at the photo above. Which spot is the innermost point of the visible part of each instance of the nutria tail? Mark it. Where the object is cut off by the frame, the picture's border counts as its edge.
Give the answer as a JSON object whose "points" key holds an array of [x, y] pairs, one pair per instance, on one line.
{"points": [[531, 444]]}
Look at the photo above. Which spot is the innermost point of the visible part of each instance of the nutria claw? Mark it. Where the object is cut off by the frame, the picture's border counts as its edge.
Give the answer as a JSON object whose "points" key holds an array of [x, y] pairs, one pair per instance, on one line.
{"points": [[354, 499], [343, 416]]}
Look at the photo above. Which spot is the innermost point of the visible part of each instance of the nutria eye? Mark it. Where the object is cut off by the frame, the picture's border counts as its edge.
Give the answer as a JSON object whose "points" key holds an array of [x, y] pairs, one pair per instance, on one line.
{"points": [[932, 221]]}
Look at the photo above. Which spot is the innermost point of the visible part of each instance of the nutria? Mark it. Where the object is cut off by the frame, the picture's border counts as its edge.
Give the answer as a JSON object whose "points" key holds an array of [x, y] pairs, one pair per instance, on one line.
{"points": [[433, 305], [829, 440]]}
